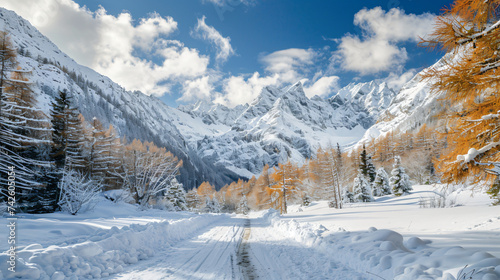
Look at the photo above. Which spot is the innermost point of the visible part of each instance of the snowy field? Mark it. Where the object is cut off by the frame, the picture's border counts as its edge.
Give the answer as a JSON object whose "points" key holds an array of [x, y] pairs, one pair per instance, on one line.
{"points": [[392, 238]]}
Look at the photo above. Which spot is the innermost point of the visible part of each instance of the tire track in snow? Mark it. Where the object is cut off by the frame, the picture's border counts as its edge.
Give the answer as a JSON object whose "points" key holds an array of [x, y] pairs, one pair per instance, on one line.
{"points": [[244, 262]]}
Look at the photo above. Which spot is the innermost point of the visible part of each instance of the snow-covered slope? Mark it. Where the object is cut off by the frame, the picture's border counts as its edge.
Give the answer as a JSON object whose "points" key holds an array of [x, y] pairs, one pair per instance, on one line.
{"points": [[132, 113], [413, 106]]}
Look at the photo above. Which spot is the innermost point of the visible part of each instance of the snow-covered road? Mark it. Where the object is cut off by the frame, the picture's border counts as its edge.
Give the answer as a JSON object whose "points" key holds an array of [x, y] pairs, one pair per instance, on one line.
{"points": [[361, 241], [240, 248], [210, 254]]}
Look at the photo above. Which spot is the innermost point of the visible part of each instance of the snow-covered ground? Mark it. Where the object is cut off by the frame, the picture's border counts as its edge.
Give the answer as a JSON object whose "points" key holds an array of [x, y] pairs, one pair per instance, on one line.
{"points": [[392, 238]]}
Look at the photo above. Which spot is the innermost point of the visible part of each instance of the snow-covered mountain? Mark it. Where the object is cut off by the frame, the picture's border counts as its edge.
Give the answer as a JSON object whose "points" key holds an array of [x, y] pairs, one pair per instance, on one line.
{"points": [[413, 106], [132, 113], [216, 143], [284, 123]]}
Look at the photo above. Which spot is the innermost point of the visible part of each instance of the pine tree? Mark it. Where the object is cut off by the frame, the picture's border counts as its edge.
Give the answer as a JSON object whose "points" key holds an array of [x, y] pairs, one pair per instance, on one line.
{"points": [[243, 206], [176, 196], [399, 181], [469, 32], [193, 200], [366, 165], [380, 186], [361, 189], [211, 206], [306, 200]]}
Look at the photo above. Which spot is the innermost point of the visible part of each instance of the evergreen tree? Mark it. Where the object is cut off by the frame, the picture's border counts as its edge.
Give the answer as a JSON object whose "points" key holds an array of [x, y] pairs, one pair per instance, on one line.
{"points": [[243, 206], [366, 165], [193, 200], [306, 200], [361, 189], [399, 181], [176, 196], [380, 186], [211, 205]]}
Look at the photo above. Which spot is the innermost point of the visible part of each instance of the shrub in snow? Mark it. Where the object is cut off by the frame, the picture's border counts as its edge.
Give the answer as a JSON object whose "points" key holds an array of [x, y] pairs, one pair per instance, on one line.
{"points": [[494, 191], [440, 199], [399, 181], [361, 189], [243, 206], [306, 200], [118, 195], [77, 192], [380, 186], [211, 206], [175, 197]]}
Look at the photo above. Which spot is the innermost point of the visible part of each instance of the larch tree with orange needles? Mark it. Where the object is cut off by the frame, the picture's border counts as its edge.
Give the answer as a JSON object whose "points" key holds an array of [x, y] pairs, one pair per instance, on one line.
{"points": [[286, 180], [470, 32]]}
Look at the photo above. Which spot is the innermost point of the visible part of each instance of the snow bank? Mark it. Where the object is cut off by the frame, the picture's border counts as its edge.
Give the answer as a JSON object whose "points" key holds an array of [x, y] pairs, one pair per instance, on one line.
{"points": [[105, 253], [386, 254]]}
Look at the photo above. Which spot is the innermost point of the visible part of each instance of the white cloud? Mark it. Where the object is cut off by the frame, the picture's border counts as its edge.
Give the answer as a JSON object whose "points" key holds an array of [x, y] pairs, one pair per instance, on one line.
{"points": [[396, 80], [106, 43], [221, 3], [199, 88], [290, 64], [209, 33], [238, 90], [322, 87], [377, 50]]}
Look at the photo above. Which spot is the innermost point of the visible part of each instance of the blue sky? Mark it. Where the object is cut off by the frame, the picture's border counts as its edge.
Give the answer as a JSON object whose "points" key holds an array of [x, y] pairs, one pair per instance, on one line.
{"points": [[227, 50]]}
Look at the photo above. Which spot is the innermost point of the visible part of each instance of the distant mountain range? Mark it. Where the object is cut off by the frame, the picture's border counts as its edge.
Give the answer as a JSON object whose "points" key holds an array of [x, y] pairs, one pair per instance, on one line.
{"points": [[220, 144]]}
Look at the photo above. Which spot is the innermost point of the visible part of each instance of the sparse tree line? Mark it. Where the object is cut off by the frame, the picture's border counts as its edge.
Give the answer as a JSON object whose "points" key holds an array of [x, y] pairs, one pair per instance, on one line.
{"points": [[333, 175], [63, 161]]}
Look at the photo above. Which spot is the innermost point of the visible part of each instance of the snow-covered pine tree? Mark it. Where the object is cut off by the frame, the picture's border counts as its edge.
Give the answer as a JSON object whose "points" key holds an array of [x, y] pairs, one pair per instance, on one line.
{"points": [[175, 196], [399, 181], [347, 196], [243, 206], [211, 205], [361, 189], [380, 186], [306, 200], [193, 200], [23, 130]]}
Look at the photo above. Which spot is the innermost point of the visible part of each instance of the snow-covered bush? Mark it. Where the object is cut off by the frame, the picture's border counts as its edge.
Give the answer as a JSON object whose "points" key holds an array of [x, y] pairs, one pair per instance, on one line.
{"points": [[380, 186], [399, 181], [77, 192], [440, 199]]}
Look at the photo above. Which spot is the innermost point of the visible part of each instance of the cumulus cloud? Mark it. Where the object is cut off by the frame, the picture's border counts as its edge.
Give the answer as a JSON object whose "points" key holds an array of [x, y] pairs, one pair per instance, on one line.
{"points": [[200, 88], [396, 80], [289, 64], [324, 86], [209, 33], [377, 50], [107, 43], [241, 90]]}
